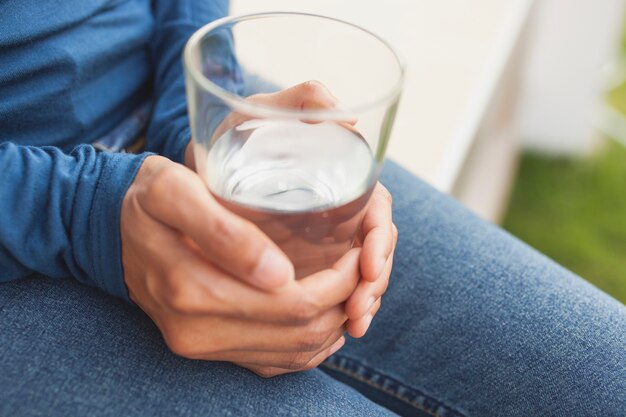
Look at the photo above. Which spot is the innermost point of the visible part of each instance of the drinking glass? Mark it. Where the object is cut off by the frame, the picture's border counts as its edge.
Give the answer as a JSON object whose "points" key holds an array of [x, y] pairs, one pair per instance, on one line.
{"points": [[290, 116]]}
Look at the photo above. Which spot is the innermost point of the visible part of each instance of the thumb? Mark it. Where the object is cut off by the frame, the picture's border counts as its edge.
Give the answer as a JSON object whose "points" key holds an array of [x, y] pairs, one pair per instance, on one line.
{"points": [[178, 198]]}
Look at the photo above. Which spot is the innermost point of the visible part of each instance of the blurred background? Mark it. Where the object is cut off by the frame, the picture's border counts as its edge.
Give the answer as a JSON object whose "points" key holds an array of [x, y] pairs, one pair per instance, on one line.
{"points": [[517, 108]]}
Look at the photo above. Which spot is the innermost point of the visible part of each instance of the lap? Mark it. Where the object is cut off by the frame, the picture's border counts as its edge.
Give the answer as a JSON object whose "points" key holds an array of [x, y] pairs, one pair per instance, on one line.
{"points": [[474, 323], [68, 349]]}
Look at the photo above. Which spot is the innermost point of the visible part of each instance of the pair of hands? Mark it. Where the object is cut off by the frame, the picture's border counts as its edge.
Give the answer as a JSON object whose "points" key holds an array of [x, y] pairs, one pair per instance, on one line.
{"points": [[219, 289]]}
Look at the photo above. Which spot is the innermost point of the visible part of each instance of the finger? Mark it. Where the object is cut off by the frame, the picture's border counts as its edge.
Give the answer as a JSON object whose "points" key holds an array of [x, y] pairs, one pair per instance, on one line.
{"points": [[299, 302], [304, 96], [358, 328], [327, 288], [228, 334], [309, 95], [179, 199], [309, 296], [268, 372], [377, 305], [367, 292], [287, 359], [306, 298], [377, 232], [322, 356], [231, 120]]}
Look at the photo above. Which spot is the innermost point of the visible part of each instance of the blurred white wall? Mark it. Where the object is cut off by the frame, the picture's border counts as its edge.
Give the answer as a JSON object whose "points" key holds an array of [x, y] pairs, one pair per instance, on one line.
{"points": [[455, 125], [571, 43]]}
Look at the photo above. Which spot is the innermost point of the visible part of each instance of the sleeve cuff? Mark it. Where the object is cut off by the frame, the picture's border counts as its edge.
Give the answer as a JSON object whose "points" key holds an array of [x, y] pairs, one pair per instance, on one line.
{"points": [[118, 172]]}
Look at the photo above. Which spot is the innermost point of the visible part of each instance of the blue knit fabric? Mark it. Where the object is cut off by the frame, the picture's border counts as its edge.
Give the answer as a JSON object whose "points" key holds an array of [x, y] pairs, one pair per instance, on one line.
{"points": [[71, 73]]}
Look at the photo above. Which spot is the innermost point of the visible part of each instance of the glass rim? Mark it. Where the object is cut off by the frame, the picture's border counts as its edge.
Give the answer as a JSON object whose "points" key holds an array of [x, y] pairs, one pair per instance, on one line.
{"points": [[239, 103]]}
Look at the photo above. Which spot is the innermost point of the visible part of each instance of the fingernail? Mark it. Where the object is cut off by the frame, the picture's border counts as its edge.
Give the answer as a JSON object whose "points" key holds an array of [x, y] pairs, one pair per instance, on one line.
{"points": [[273, 269], [338, 346], [370, 303], [380, 265]]}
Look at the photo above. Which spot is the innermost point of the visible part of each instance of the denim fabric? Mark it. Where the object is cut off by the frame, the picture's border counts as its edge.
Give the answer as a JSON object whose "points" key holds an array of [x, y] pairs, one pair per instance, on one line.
{"points": [[474, 323]]}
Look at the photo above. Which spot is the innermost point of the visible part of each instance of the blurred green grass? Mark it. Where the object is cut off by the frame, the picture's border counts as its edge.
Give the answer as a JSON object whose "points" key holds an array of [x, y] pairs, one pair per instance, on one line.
{"points": [[574, 211]]}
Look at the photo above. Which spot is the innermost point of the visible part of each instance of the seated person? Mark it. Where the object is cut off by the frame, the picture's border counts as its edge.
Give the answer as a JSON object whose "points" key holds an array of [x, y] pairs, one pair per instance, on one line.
{"points": [[188, 308]]}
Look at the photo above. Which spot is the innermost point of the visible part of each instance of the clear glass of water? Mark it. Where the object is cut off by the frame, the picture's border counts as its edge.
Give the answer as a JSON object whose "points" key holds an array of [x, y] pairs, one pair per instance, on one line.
{"points": [[303, 175]]}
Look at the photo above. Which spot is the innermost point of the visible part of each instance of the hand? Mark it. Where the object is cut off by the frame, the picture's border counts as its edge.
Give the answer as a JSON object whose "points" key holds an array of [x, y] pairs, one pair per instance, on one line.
{"points": [[218, 288], [378, 236]]}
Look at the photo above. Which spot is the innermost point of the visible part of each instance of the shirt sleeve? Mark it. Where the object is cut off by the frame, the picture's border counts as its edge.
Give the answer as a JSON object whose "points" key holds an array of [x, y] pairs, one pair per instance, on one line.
{"points": [[61, 213], [175, 21]]}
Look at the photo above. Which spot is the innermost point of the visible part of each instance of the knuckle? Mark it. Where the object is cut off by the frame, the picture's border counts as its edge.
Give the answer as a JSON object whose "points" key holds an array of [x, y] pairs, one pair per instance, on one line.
{"points": [[161, 185], [163, 180], [384, 193], [180, 344], [311, 365], [183, 295], [317, 91], [312, 86], [243, 237], [176, 295], [265, 372], [297, 361], [221, 227], [179, 303], [229, 231], [305, 310], [313, 340]]}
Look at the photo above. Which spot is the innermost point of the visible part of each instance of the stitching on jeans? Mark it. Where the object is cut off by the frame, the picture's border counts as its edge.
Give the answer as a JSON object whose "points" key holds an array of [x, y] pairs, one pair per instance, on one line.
{"points": [[380, 387]]}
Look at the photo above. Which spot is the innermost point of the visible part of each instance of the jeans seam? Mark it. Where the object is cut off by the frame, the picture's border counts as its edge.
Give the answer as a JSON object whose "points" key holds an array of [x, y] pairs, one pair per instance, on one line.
{"points": [[331, 363]]}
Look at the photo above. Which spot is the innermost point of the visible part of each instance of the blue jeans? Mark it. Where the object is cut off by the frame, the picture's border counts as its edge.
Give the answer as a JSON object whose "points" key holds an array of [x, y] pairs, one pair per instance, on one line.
{"points": [[474, 323]]}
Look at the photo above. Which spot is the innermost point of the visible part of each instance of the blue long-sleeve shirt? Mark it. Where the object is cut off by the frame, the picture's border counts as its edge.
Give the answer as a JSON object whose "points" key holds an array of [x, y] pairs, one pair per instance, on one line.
{"points": [[71, 72]]}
